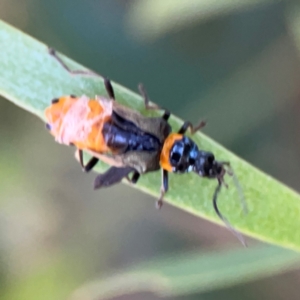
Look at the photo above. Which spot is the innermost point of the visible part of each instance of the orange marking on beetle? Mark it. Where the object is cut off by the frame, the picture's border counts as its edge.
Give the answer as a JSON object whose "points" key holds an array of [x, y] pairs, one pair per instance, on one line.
{"points": [[165, 153], [79, 121]]}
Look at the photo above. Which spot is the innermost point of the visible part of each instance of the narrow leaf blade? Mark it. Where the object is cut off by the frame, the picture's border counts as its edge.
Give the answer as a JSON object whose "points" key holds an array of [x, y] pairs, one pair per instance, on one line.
{"points": [[191, 273], [30, 78]]}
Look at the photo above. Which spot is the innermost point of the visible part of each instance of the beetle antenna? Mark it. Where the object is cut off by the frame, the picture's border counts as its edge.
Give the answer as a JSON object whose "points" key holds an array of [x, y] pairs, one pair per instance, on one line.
{"points": [[226, 222], [238, 187]]}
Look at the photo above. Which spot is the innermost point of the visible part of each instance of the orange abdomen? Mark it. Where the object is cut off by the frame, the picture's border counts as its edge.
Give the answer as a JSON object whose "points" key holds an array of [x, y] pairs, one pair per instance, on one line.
{"points": [[79, 121]]}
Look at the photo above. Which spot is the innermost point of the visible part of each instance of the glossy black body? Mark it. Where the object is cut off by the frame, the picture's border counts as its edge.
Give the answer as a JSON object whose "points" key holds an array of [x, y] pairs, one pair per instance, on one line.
{"points": [[185, 156], [122, 136]]}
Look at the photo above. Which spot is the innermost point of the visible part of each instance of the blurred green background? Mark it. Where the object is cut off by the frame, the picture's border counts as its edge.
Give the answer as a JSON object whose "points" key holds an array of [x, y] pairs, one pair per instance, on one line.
{"points": [[235, 65]]}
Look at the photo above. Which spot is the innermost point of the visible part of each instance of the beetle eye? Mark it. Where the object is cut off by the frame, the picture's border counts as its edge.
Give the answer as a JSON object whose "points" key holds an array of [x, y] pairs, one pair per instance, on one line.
{"points": [[210, 158], [175, 157], [192, 161]]}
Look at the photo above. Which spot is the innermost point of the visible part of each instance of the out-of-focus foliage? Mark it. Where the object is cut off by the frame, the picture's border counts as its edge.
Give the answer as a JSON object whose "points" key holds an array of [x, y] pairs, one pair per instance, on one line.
{"points": [[293, 22], [150, 19], [189, 273]]}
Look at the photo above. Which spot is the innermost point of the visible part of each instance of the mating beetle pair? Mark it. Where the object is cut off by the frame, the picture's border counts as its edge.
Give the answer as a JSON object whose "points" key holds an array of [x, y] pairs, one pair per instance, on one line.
{"points": [[128, 141]]}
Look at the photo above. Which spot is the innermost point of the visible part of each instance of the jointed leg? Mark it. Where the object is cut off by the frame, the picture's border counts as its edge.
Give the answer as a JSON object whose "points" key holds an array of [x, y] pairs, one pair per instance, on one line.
{"points": [[73, 72], [163, 189], [91, 163], [109, 88], [134, 178], [89, 73], [146, 99], [193, 129], [149, 106], [166, 115]]}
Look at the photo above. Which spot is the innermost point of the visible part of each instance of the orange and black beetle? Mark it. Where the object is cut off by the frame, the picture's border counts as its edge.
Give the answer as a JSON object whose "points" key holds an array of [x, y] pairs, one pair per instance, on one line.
{"points": [[129, 141]]}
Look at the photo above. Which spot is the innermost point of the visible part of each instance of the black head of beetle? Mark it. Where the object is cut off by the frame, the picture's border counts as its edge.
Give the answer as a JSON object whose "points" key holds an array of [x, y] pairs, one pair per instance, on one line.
{"points": [[185, 156]]}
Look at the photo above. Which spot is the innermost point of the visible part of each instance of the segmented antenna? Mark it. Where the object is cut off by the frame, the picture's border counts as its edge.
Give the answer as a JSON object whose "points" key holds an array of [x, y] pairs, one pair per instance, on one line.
{"points": [[226, 222], [230, 172]]}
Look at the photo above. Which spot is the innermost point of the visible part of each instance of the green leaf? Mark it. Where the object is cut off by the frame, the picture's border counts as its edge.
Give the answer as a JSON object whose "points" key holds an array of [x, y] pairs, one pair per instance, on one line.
{"points": [[52, 280], [30, 78], [191, 273], [293, 22], [150, 19]]}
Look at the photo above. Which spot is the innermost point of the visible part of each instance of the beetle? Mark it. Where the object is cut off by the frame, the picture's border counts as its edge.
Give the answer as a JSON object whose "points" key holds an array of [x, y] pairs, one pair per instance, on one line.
{"points": [[130, 142]]}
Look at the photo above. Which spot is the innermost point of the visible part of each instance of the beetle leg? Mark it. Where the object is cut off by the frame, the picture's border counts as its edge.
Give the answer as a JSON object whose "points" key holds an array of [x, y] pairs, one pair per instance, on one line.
{"points": [[91, 163], [164, 188], [149, 106], [193, 129], [166, 115], [146, 99], [90, 73], [79, 153], [109, 88], [112, 176], [135, 177]]}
